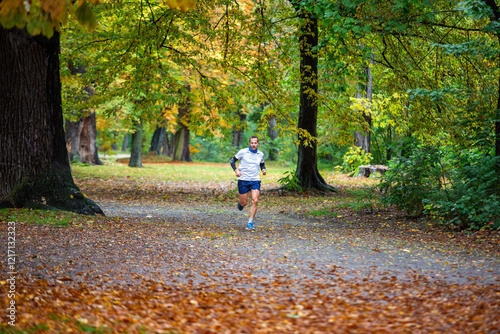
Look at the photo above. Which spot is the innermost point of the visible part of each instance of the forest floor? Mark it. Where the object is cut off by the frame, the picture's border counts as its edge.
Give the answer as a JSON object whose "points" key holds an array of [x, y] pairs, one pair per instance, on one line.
{"points": [[174, 257]]}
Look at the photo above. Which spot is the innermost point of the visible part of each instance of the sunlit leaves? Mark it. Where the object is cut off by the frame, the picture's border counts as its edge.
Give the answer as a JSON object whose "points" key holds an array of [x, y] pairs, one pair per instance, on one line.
{"points": [[45, 16]]}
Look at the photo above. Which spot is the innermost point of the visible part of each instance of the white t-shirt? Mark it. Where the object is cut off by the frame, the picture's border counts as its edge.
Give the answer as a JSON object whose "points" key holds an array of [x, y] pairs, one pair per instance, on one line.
{"points": [[249, 164]]}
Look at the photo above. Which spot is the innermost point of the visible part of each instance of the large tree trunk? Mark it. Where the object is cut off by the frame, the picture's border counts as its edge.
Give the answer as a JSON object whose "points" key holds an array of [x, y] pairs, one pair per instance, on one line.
{"points": [[182, 136], [72, 134], [182, 152], [136, 145], [362, 139], [34, 166], [156, 146], [81, 140], [81, 135], [307, 166], [169, 145]]}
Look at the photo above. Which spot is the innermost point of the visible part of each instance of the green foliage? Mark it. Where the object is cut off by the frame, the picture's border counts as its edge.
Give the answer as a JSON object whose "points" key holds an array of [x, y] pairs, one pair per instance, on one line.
{"points": [[290, 182], [212, 149], [329, 155], [472, 198], [410, 179], [354, 158], [40, 217], [460, 190]]}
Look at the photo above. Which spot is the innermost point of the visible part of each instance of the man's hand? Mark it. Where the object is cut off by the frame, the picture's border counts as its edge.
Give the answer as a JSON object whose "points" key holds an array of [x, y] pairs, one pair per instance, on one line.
{"points": [[263, 172], [238, 173]]}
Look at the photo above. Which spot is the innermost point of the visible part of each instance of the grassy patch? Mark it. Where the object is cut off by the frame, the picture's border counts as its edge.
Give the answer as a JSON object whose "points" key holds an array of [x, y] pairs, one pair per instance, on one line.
{"points": [[322, 212], [41, 217]]}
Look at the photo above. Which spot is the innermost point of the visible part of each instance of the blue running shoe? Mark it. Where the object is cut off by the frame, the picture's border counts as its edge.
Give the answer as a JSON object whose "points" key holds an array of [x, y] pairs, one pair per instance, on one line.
{"points": [[250, 226], [240, 207]]}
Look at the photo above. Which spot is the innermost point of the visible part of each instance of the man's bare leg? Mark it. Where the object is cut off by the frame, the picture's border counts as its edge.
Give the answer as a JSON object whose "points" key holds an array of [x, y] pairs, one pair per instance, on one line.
{"points": [[243, 199], [255, 201]]}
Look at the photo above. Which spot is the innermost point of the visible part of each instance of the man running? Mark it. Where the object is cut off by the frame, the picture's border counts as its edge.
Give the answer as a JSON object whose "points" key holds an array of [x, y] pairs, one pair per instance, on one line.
{"points": [[248, 176]]}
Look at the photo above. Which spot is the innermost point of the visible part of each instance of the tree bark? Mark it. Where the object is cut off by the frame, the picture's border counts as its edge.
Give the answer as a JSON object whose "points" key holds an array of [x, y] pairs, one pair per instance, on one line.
{"points": [[156, 146], [273, 134], [182, 136], [136, 145], [307, 165], [237, 133], [362, 139], [34, 165], [81, 135], [125, 143], [182, 152], [72, 134]]}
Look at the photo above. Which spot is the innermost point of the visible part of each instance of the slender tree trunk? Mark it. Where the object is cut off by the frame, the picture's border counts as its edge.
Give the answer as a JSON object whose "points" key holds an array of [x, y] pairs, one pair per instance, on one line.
{"points": [[237, 133], [136, 145], [273, 134], [125, 143], [362, 139], [34, 165], [307, 165]]}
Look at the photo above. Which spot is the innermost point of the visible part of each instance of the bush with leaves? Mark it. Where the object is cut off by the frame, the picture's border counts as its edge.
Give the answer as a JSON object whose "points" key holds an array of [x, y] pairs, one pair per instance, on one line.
{"points": [[411, 179], [472, 196], [290, 182], [354, 158], [461, 190]]}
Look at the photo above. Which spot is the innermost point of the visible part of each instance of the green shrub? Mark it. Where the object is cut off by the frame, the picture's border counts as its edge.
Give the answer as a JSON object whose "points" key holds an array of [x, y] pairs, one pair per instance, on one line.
{"points": [[354, 158], [472, 197], [409, 180], [289, 181], [460, 190]]}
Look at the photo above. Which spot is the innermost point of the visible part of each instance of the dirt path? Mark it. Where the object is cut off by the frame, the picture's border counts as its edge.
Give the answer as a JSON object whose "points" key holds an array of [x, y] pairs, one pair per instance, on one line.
{"points": [[299, 246], [185, 266]]}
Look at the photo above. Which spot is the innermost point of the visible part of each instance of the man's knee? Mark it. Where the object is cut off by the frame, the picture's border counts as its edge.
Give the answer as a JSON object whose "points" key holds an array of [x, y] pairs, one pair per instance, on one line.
{"points": [[255, 201]]}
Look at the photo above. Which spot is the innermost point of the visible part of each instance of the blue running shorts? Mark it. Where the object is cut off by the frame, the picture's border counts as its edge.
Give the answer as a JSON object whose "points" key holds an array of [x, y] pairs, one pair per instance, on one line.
{"points": [[246, 186]]}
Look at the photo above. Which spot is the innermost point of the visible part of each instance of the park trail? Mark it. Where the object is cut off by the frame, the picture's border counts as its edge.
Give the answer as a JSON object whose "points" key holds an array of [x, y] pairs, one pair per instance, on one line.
{"points": [[187, 264]]}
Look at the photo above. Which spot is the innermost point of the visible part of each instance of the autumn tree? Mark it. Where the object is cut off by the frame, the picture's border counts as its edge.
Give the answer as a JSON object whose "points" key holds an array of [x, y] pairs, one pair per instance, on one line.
{"points": [[34, 165]]}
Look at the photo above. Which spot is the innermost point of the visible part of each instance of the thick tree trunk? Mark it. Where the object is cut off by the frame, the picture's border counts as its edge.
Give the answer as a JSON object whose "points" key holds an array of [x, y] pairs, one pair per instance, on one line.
{"points": [[307, 166], [81, 140], [72, 134], [182, 152], [181, 146], [156, 146], [136, 145], [34, 166], [81, 135], [169, 145]]}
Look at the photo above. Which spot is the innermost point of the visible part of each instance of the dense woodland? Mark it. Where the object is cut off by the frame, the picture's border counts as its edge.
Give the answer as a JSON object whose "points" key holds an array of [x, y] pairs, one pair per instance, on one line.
{"points": [[409, 84]]}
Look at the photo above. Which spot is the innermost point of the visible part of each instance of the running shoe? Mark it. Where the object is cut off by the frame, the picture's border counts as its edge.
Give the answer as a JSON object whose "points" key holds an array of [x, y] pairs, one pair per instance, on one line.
{"points": [[240, 207], [250, 226]]}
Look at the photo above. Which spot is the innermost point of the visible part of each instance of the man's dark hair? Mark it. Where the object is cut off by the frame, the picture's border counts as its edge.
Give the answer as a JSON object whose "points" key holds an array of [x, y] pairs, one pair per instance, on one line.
{"points": [[253, 137]]}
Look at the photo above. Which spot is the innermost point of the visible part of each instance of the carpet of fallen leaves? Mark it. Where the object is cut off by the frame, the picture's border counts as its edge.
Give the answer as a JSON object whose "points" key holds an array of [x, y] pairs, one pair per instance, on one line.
{"points": [[175, 258]]}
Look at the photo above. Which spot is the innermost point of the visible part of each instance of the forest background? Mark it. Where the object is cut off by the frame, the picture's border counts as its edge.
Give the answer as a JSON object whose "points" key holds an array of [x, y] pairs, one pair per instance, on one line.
{"points": [[410, 84]]}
